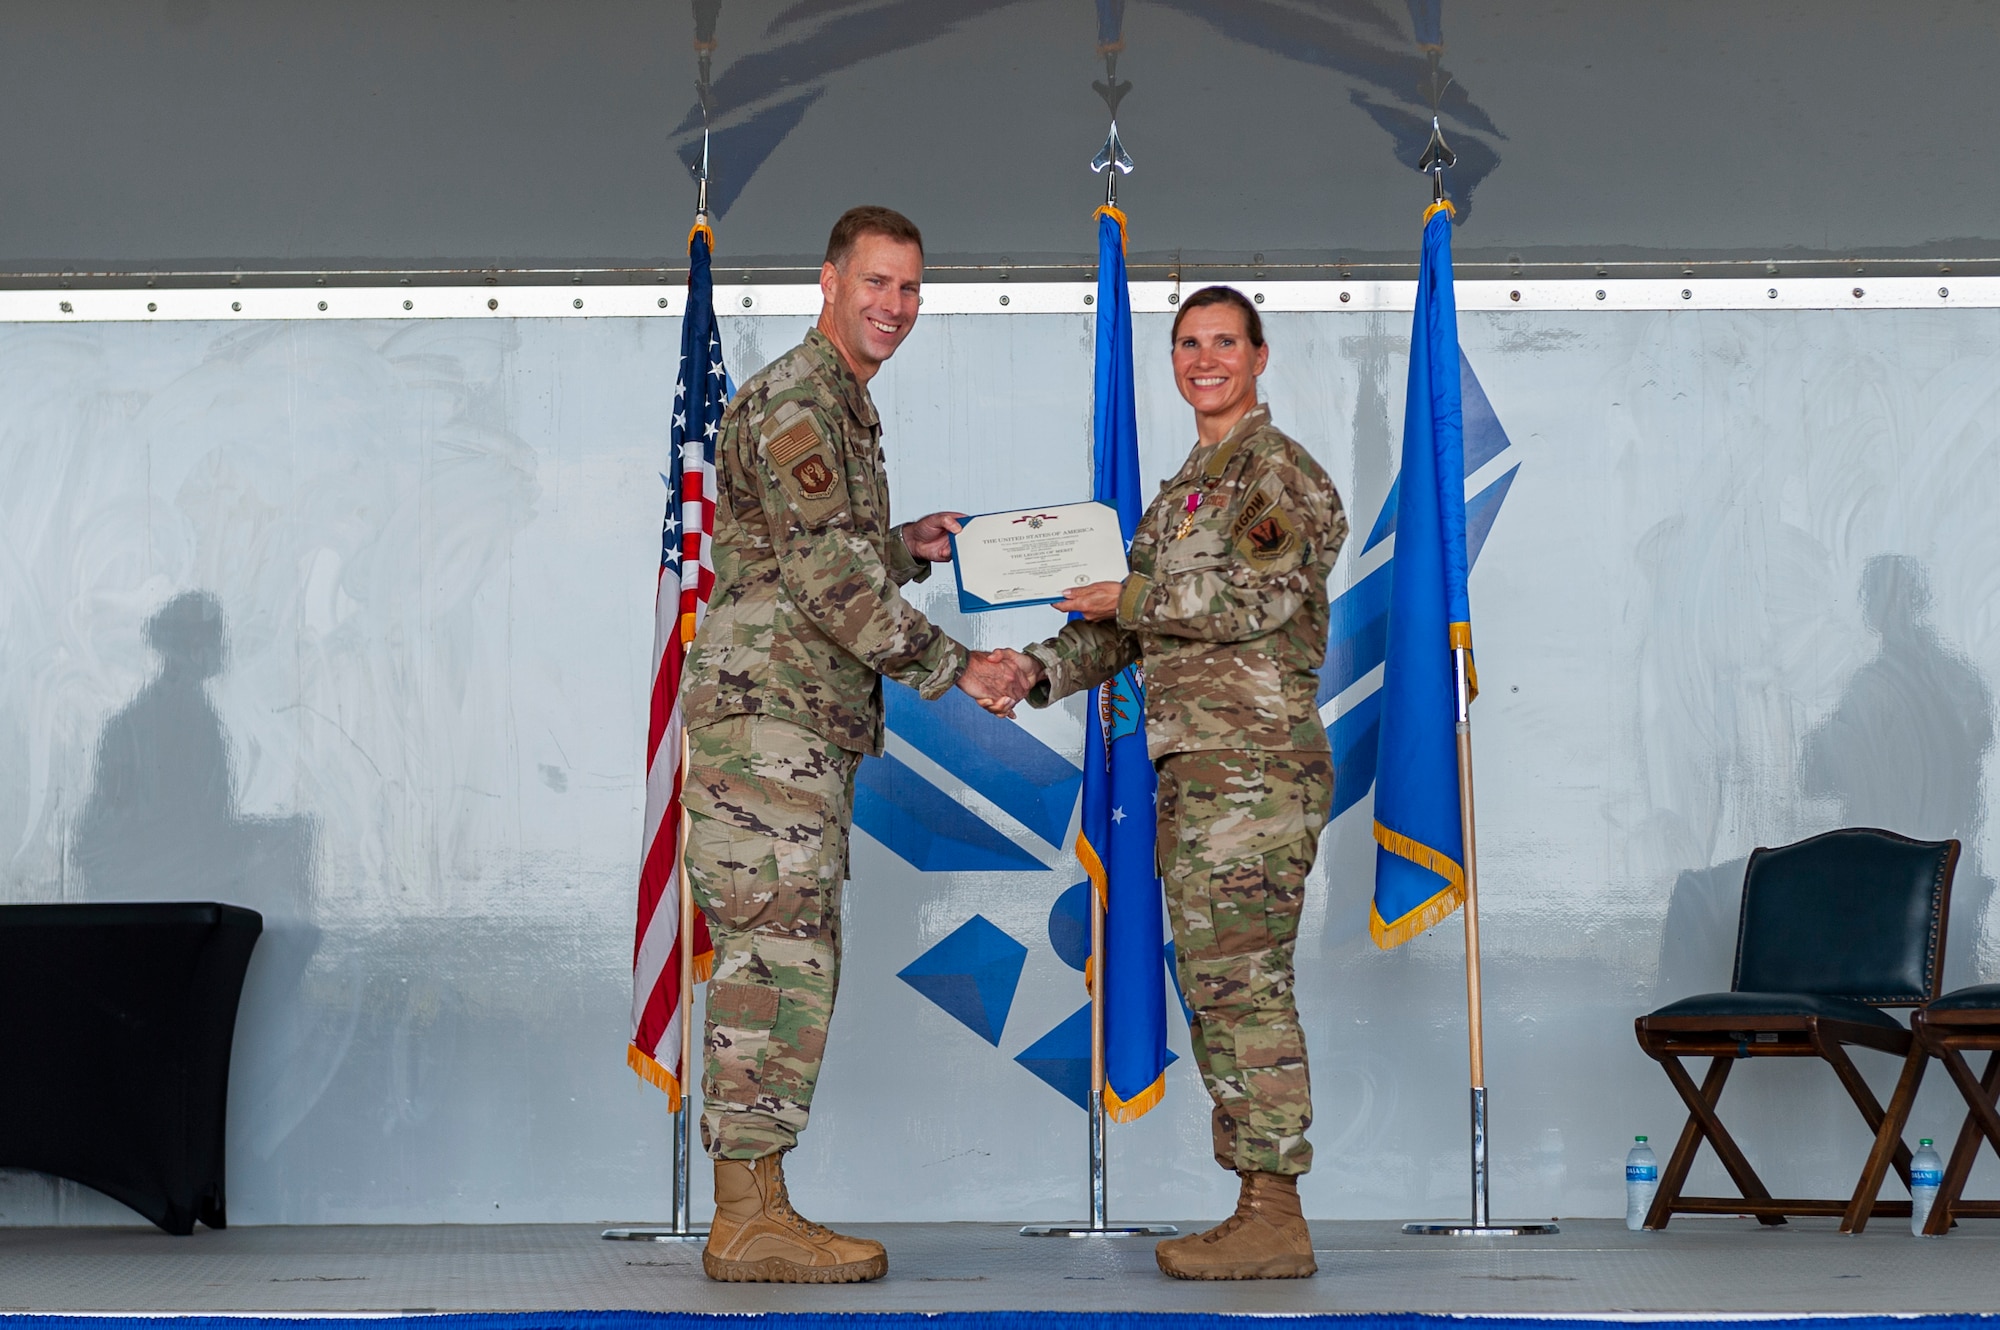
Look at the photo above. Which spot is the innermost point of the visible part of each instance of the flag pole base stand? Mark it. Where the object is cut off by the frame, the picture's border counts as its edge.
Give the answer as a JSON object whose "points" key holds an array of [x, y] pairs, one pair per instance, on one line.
{"points": [[659, 1234], [1461, 1228], [1100, 1231]]}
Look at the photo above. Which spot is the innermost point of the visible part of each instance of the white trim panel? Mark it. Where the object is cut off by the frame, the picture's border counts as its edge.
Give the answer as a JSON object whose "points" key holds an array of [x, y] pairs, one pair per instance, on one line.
{"points": [[549, 302]]}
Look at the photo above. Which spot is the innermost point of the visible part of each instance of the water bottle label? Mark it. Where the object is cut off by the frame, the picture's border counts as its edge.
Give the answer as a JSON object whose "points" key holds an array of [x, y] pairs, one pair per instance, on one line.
{"points": [[1650, 1173], [1919, 1177]]}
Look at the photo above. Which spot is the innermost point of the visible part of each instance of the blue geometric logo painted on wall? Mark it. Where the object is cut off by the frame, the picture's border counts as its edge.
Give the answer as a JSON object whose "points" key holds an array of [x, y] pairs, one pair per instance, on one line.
{"points": [[972, 975], [933, 832], [1062, 1057]]}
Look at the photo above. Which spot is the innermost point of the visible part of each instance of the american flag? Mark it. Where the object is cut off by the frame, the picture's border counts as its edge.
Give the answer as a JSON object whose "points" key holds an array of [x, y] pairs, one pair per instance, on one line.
{"points": [[687, 577]]}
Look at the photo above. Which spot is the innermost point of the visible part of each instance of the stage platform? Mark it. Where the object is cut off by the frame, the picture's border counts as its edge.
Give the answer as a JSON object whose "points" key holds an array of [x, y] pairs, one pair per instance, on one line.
{"points": [[1698, 1268]]}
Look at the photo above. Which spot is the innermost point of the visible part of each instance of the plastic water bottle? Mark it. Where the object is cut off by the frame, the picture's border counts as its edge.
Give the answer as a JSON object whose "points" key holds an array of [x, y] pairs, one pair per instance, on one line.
{"points": [[1642, 1179], [1926, 1176]]}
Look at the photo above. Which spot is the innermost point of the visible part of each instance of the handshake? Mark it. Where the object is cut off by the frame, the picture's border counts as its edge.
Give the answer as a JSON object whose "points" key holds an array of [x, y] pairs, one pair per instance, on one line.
{"points": [[999, 680]]}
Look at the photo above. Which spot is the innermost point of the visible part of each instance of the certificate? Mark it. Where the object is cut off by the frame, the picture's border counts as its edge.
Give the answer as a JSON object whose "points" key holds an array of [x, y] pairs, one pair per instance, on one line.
{"points": [[1034, 556]]}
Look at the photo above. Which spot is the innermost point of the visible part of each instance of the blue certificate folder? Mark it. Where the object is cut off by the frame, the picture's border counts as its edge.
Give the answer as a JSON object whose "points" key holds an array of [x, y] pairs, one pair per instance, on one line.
{"points": [[1099, 517]]}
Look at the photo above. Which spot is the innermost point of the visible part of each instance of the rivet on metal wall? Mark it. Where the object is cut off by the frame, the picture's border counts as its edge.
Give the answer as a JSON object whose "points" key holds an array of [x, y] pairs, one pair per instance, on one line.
{"points": [[1259, 297], [322, 304], [406, 305], [1686, 294], [1943, 291], [577, 303], [492, 304], [151, 308], [1174, 298], [1857, 293], [1600, 293], [1773, 293], [1090, 300], [1514, 295], [1344, 297], [66, 309], [663, 302], [746, 302], [237, 305], [1003, 300]]}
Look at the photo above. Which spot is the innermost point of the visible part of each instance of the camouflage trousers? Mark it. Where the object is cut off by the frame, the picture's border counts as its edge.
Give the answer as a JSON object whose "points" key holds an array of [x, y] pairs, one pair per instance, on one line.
{"points": [[769, 807], [1238, 832]]}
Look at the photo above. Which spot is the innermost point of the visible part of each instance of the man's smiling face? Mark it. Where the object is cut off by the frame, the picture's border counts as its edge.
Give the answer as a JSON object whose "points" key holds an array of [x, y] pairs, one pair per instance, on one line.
{"points": [[871, 300]]}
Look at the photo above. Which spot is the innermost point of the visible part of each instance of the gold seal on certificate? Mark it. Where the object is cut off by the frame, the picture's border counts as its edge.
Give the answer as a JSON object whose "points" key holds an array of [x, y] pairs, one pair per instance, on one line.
{"points": [[1033, 556]]}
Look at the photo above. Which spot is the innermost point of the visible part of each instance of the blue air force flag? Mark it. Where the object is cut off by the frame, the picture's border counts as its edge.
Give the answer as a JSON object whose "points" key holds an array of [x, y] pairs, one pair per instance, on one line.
{"points": [[1115, 840], [1420, 848]]}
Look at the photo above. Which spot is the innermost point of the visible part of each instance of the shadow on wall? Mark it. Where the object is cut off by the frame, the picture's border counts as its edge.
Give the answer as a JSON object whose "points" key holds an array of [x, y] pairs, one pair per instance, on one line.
{"points": [[1905, 744], [161, 824], [1902, 749]]}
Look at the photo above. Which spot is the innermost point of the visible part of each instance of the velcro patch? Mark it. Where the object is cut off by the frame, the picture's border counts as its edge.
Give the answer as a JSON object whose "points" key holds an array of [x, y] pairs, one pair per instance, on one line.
{"points": [[803, 462], [815, 477], [1269, 539], [1253, 512], [794, 443]]}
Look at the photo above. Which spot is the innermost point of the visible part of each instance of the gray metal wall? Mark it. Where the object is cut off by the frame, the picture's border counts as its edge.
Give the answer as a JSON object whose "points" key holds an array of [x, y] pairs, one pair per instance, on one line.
{"points": [[142, 135], [1739, 590]]}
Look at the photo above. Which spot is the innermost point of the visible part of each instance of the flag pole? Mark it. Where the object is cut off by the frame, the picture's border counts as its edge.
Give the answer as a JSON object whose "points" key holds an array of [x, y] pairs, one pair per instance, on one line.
{"points": [[682, 1227], [1099, 1224], [1099, 1183], [1437, 156], [684, 1118], [1111, 161], [1475, 1007]]}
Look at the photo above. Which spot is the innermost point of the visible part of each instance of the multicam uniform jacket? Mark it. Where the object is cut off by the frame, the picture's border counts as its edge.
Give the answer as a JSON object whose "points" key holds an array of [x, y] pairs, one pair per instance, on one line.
{"points": [[806, 615], [1226, 601]]}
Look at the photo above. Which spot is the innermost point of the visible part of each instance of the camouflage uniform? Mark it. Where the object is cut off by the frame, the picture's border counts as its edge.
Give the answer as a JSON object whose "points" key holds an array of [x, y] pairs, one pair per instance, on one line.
{"points": [[783, 696], [1226, 605]]}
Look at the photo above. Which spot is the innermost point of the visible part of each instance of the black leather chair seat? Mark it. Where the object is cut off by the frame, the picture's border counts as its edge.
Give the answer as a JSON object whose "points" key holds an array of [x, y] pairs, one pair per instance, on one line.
{"points": [[1720, 1007], [1979, 997]]}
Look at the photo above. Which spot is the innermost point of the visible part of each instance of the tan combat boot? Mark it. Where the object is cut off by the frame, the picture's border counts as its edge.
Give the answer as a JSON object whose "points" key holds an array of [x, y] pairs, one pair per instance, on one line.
{"points": [[1265, 1239], [758, 1238]]}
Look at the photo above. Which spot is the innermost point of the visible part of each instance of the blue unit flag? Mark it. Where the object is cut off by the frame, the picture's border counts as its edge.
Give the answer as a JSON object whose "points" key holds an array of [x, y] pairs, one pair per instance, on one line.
{"points": [[1420, 845], [1115, 841]]}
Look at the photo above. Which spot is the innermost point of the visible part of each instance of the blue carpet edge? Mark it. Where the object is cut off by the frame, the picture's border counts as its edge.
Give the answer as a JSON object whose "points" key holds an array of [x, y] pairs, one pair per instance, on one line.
{"points": [[981, 1320]]}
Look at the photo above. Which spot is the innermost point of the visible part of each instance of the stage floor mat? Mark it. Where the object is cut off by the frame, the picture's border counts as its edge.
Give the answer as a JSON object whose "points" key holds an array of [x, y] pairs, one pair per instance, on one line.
{"points": [[1697, 1268]]}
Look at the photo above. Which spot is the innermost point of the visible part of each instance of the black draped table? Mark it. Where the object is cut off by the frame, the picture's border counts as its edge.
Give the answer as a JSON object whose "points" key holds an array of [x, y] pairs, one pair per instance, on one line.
{"points": [[115, 1025]]}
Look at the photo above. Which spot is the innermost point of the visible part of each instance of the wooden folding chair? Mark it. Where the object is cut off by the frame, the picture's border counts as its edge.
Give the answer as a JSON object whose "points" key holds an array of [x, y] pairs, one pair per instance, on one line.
{"points": [[1963, 1020], [1833, 929]]}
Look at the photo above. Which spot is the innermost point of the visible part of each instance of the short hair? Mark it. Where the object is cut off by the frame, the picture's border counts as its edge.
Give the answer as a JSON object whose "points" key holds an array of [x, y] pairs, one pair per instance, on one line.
{"points": [[869, 220], [1253, 323]]}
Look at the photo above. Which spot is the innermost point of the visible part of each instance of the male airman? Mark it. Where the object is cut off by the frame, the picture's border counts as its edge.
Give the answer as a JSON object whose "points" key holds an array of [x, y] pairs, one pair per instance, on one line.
{"points": [[783, 697]]}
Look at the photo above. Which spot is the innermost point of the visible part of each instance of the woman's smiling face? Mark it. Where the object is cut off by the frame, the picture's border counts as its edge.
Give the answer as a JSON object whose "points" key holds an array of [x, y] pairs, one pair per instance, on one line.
{"points": [[1215, 366]]}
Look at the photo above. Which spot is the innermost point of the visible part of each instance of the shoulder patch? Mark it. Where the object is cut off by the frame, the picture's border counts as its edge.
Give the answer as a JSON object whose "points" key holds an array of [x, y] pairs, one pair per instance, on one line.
{"points": [[794, 443], [1270, 537], [814, 476], [1260, 502], [804, 465]]}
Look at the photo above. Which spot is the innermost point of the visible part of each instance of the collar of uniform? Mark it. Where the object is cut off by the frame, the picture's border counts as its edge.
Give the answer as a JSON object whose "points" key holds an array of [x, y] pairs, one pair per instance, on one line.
{"points": [[1256, 418], [853, 393]]}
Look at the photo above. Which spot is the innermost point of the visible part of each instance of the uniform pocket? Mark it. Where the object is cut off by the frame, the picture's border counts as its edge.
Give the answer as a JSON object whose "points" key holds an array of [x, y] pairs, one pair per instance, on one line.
{"points": [[1167, 827], [761, 854]]}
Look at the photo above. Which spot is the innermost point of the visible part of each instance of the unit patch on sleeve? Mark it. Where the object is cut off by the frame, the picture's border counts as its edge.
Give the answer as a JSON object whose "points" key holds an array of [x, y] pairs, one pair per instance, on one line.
{"points": [[1268, 539], [815, 477], [802, 463]]}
